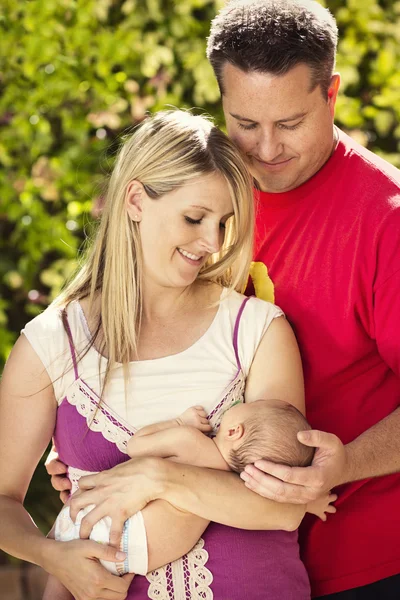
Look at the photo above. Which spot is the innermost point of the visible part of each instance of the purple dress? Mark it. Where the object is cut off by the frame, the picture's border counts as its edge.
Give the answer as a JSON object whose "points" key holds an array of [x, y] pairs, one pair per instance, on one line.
{"points": [[226, 563]]}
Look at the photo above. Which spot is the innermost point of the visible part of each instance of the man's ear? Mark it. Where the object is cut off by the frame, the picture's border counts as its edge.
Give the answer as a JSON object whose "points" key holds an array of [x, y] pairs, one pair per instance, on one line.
{"points": [[134, 200], [235, 433], [333, 92]]}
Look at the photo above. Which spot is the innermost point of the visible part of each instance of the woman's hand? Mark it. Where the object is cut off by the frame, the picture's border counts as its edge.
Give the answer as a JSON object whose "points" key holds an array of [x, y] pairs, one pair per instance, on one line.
{"points": [[76, 565], [118, 493]]}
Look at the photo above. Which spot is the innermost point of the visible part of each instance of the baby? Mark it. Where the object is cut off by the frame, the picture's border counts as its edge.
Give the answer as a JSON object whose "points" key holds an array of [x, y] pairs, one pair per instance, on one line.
{"points": [[264, 429]]}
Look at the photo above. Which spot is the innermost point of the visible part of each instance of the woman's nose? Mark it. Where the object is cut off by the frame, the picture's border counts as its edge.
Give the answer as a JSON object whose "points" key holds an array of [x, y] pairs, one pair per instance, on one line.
{"points": [[212, 240]]}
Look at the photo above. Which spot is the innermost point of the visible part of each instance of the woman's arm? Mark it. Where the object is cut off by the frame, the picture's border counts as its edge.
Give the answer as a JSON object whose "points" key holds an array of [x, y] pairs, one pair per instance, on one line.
{"points": [[27, 418], [213, 495]]}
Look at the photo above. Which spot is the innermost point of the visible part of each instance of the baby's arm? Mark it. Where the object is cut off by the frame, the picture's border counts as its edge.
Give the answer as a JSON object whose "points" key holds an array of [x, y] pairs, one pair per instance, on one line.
{"points": [[195, 416], [183, 444]]}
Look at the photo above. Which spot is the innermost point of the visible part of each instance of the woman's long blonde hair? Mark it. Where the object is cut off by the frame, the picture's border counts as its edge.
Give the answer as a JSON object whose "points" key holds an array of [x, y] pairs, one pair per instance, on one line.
{"points": [[165, 152]]}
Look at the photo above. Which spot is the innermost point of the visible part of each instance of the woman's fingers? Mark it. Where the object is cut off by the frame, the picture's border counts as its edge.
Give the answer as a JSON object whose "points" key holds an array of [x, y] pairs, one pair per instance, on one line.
{"points": [[80, 500], [117, 526], [99, 512], [60, 483]]}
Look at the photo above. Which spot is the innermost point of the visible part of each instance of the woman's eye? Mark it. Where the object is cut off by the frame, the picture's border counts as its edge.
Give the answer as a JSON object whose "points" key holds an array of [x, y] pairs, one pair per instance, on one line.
{"points": [[222, 225], [193, 221], [247, 127]]}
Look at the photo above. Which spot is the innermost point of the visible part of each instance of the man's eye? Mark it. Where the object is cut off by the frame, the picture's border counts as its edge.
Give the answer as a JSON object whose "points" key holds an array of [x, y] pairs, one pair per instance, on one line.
{"points": [[247, 127], [290, 127], [193, 221]]}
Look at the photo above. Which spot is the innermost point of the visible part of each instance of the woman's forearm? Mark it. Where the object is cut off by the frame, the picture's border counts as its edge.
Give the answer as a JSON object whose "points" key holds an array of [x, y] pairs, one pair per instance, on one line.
{"points": [[222, 497], [19, 536], [171, 533]]}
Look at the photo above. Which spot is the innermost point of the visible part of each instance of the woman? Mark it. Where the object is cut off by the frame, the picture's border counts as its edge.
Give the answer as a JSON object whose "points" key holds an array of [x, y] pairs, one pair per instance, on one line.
{"points": [[152, 324]]}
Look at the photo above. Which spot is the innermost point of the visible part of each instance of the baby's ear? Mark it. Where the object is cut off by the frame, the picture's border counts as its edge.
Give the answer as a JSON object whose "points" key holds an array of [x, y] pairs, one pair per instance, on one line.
{"points": [[235, 433]]}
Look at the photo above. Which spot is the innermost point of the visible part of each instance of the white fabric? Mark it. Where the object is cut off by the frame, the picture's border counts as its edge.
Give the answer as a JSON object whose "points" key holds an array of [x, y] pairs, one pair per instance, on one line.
{"points": [[133, 540], [161, 388]]}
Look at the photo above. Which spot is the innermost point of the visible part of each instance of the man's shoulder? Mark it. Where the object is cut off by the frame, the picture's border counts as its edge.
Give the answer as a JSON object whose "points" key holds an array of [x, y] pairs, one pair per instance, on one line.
{"points": [[365, 166]]}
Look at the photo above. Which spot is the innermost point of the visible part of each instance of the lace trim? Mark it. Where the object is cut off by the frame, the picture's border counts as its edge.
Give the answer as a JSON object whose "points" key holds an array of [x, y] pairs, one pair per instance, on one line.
{"points": [[74, 475], [234, 394], [101, 417], [185, 579]]}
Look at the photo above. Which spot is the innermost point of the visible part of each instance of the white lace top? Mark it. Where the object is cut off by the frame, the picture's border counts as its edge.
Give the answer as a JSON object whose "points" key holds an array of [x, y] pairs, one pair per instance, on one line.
{"points": [[161, 388]]}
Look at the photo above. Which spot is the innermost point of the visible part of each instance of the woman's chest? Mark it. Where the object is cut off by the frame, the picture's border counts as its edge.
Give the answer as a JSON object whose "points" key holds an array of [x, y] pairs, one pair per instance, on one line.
{"points": [[92, 435]]}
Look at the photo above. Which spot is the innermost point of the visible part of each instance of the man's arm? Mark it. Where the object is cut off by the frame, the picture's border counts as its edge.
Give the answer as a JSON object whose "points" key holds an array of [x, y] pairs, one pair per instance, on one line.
{"points": [[376, 451]]}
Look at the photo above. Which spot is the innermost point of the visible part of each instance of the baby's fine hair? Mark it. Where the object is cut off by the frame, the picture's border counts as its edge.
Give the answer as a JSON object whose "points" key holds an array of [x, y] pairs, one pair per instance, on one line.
{"points": [[271, 434]]}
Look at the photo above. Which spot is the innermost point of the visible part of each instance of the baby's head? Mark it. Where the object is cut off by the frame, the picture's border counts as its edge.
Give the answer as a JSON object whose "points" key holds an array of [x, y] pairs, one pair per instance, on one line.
{"points": [[264, 429]]}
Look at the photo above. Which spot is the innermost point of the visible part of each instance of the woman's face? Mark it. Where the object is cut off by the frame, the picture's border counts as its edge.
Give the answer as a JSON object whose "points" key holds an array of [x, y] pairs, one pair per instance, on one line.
{"points": [[180, 230]]}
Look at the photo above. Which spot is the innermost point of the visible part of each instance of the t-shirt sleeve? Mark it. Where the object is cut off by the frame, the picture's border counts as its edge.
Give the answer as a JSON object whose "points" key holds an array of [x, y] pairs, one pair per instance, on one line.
{"points": [[387, 321], [46, 335], [257, 316], [386, 293]]}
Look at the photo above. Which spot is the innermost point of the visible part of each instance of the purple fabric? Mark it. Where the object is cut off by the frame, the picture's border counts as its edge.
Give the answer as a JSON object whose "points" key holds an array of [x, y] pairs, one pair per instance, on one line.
{"points": [[250, 565], [236, 331], [247, 565], [80, 447]]}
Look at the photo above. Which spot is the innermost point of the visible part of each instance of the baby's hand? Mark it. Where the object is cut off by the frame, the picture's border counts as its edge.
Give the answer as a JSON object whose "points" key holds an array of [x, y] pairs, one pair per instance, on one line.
{"points": [[196, 417], [322, 505]]}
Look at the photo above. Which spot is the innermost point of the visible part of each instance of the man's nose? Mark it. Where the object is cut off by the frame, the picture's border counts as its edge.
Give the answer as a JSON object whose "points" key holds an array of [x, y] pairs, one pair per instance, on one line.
{"points": [[269, 146]]}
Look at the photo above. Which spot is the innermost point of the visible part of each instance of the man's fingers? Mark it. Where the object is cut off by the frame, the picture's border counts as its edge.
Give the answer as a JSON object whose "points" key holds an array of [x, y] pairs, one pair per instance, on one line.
{"points": [[318, 439], [274, 489], [306, 476]]}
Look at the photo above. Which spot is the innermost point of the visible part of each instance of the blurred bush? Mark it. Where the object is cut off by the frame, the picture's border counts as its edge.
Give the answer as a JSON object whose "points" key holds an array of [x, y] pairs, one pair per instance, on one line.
{"points": [[74, 74]]}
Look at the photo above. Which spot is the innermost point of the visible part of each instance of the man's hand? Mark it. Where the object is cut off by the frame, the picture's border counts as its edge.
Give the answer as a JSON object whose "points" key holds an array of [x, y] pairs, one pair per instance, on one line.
{"points": [[195, 416], [58, 472], [118, 493], [301, 485]]}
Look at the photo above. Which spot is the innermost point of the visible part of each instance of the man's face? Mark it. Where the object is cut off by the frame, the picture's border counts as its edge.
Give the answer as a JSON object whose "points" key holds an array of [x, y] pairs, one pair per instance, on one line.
{"points": [[285, 129]]}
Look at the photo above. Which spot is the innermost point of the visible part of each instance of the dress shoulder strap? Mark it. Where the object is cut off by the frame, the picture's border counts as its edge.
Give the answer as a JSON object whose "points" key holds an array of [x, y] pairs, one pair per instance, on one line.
{"points": [[236, 331], [65, 322]]}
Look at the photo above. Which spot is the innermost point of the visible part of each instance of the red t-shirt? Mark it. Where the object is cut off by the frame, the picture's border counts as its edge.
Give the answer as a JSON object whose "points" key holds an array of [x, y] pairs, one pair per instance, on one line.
{"points": [[332, 249]]}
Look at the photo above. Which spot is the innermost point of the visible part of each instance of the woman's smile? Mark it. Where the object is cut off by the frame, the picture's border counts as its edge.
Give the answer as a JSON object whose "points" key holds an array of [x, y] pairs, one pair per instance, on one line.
{"points": [[192, 259]]}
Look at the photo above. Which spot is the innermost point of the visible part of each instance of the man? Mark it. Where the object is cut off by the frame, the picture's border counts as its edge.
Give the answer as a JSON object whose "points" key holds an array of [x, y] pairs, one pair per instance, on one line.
{"points": [[328, 223], [328, 231]]}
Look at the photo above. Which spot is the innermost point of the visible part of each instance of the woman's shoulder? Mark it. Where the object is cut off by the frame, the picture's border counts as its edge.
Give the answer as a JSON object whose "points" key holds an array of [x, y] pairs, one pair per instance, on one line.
{"points": [[50, 321], [252, 305]]}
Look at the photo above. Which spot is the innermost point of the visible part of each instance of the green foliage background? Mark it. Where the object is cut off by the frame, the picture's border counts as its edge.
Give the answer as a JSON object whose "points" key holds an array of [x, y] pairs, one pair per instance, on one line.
{"points": [[75, 74]]}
